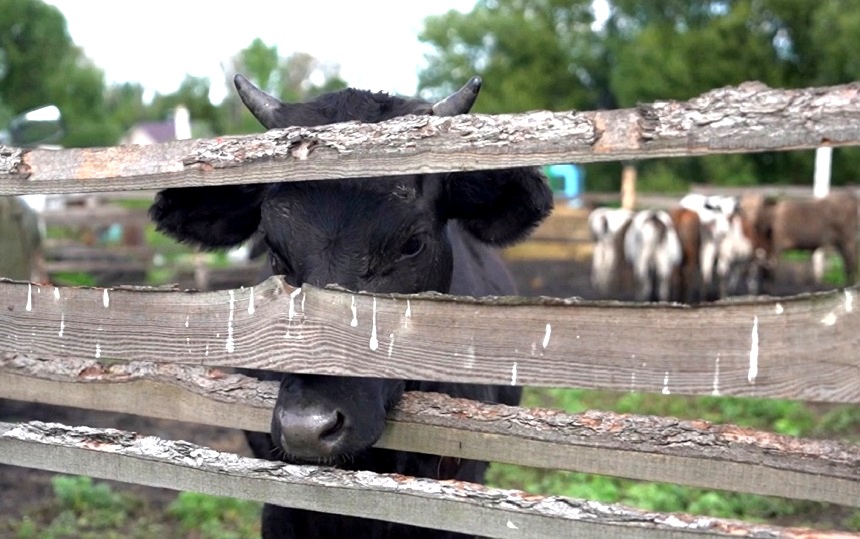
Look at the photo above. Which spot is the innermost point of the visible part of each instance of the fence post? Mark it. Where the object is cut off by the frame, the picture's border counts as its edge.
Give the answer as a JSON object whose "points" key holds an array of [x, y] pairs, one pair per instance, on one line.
{"points": [[628, 186], [820, 188]]}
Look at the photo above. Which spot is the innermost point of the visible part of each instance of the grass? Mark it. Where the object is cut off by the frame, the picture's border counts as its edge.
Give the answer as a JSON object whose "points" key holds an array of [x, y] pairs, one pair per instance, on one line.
{"points": [[74, 278], [83, 508], [88, 509], [213, 517], [781, 416], [834, 269]]}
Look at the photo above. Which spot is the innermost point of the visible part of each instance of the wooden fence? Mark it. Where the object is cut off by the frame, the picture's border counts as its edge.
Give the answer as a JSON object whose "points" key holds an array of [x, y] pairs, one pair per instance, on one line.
{"points": [[156, 352]]}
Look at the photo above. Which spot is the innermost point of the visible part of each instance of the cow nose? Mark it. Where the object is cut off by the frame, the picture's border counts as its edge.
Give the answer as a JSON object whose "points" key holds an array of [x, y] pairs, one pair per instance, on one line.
{"points": [[311, 433]]}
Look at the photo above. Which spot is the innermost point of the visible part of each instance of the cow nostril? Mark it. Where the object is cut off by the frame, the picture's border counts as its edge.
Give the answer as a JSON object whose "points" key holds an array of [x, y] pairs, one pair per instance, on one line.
{"points": [[311, 434], [334, 429]]}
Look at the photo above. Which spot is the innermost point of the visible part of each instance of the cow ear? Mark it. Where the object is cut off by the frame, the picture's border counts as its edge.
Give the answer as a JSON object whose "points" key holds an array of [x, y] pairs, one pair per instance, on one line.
{"points": [[499, 207], [211, 217]]}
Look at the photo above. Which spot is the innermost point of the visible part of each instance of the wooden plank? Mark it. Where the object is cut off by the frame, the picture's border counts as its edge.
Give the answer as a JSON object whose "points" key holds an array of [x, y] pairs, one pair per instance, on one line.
{"points": [[694, 453], [787, 191], [73, 266], [550, 250], [643, 200], [746, 118], [454, 505], [564, 224], [66, 250], [802, 347], [240, 273], [102, 215]]}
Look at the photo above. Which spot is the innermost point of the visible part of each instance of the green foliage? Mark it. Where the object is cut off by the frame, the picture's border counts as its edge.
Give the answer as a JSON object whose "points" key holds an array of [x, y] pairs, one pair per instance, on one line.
{"points": [[781, 416], [531, 54], [647, 496], [547, 54], [296, 77], [852, 522], [79, 494], [834, 271], [40, 64], [34, 48], [193, 94], [661, 177], [212, 517], [842, 419], [260, 63], [85, 509], [74, 278]]}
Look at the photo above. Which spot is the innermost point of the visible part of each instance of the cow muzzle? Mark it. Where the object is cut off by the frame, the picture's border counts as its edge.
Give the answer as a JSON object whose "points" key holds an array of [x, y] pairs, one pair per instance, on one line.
{"points": [[313, 433], [330, 419]]}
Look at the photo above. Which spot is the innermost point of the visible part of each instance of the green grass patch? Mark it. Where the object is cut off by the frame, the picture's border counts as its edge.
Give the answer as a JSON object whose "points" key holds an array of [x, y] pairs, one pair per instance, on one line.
{"points": [[74, 278], [86, 509], [215, 517], [834, 269], [781, 416]]}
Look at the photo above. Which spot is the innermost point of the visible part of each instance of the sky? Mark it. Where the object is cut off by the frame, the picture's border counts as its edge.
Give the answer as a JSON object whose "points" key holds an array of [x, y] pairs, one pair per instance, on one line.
{"points": [[158, 42]]}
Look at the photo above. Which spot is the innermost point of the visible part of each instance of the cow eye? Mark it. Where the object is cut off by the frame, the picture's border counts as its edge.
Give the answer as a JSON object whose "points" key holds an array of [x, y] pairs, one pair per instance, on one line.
{"points": [[412, 247]]}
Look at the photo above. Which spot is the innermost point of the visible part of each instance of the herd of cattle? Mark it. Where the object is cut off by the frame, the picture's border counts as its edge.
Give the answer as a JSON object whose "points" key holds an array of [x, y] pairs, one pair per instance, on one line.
{"points": [[709, 247]]}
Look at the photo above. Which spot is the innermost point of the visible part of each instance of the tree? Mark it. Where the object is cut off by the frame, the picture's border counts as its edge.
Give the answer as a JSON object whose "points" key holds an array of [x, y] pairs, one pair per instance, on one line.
{"points": [[34, 46], [532, 54], [302, 76], [549, 54], [125, 105], [193, 93], [39, 65], [540, 54], [297, 77], [678, 50]]}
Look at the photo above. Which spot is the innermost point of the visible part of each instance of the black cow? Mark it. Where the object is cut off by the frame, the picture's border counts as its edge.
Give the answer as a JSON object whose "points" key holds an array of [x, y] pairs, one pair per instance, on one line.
{"points": [[410, 233]]}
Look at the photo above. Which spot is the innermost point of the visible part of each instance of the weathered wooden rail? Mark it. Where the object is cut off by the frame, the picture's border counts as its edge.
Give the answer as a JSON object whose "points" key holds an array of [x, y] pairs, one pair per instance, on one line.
{"points": [[801, 348], [638, 447], [62, 345], [748, 118]]}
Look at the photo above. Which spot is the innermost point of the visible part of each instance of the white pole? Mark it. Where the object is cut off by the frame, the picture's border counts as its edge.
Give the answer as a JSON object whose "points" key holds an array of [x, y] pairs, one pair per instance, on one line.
{"points": [[821, 182], [820, 188]]}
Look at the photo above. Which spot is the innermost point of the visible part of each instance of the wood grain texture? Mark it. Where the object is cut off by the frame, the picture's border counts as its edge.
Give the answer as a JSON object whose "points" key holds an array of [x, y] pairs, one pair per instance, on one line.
{"points": [[802, 347], [694, 453], [457, 506], [747, 118]]}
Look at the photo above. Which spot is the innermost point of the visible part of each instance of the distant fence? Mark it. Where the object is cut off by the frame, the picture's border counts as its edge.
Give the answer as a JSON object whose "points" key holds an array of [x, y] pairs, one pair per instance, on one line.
{"points": [[156, 351]]}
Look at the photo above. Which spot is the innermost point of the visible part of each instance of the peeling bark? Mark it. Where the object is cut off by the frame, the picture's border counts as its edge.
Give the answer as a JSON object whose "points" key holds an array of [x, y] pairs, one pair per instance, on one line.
{"points": [[638, 447], [468, 508], [746, 118], [653, 349]]}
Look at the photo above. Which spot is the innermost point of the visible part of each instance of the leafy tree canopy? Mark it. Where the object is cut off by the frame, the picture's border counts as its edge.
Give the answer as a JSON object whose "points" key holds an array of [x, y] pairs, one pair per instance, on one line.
{"points": [[40, 65], [550, 54]]}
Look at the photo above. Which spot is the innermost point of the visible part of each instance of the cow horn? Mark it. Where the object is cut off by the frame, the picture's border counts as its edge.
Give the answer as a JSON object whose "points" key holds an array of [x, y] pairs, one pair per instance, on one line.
{"points": [[263, 106], [461, 101]]}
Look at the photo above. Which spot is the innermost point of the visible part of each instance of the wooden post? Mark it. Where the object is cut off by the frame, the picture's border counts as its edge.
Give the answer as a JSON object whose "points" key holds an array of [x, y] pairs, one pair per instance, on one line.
{"points": [[820, 188], [628, 186]]}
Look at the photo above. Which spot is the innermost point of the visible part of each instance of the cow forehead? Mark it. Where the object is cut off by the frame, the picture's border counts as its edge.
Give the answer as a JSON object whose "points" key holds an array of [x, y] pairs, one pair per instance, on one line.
{"points": [[350, 104], [362, 209], [391, 192]]}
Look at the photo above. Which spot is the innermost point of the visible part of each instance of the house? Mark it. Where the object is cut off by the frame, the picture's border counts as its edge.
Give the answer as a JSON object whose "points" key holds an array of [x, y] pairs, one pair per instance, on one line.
{"points": [[176, 128]]}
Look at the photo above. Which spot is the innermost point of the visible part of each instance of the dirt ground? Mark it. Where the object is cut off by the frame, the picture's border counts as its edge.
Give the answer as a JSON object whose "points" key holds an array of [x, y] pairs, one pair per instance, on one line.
{"points": [[21, 489]]}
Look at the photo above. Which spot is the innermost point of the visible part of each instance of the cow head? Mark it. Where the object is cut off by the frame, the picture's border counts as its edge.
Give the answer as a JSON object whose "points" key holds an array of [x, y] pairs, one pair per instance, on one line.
{"points": [[373, 234]]}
